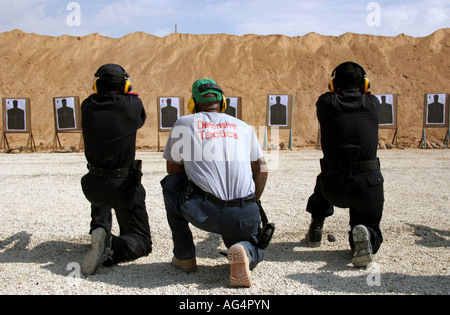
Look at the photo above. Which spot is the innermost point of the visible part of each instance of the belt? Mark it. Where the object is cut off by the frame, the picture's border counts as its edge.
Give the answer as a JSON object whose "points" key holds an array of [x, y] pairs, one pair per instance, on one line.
{"points": [[351, 167], [108, 172], [227, 203]]}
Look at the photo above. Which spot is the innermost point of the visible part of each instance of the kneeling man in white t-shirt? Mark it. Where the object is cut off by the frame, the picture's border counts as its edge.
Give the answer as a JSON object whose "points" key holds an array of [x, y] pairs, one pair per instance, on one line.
{"points": [[216, 173]]}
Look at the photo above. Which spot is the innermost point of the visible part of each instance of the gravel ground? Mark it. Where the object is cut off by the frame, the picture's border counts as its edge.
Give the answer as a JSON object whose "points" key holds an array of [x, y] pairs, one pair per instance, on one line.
{"points": [[45, 218]]}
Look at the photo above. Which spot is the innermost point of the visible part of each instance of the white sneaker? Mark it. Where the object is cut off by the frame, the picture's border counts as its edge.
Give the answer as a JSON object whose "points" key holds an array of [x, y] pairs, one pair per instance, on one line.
{"points": [[362, 252], [100, 250]]}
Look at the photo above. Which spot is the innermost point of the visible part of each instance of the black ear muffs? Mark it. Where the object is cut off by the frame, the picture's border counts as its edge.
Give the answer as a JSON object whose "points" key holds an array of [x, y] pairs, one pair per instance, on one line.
{"points": [[365, 83], [125, 87]]}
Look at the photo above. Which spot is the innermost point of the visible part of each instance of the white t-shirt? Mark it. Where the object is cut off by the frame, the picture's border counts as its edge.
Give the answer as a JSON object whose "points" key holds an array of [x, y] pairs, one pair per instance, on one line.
{"points": [[216, 151]]}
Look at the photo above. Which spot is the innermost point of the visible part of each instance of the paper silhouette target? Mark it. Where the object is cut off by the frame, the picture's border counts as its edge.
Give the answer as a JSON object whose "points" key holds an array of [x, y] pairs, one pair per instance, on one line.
{"points": [[67, 113], [436, 110], [169, 109], [388, 110], [16, 115], [234, 106], [279, 111]]}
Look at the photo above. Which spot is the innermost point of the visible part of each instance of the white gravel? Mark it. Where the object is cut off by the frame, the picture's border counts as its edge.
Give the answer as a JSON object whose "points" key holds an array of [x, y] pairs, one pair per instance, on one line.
{"points": [[44, 224]]}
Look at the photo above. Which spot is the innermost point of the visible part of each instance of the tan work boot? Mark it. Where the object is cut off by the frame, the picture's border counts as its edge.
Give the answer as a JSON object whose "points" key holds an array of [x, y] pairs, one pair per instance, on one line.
{"points": [[188, 265], [240, 274]]}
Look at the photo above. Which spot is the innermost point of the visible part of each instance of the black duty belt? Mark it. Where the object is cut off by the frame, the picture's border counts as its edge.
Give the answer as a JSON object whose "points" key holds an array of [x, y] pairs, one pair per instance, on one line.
{"points": [[227, 203], [351, 168], [108, 172]]}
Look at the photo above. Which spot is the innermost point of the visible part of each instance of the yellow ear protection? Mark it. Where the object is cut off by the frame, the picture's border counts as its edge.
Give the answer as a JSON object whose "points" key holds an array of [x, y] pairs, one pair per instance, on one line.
{"points": [[94, 86], [201, 89], [192, 105], [126, 85], [365, 83]]}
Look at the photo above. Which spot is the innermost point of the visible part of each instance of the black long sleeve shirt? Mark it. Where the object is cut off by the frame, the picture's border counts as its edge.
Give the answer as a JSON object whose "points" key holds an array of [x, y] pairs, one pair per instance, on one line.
{"points": [[349, 125], [110, 122]]}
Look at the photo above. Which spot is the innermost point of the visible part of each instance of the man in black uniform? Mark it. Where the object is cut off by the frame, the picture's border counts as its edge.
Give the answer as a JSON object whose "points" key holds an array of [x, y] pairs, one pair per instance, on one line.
{"points": [[350, 176], [110, 120]]}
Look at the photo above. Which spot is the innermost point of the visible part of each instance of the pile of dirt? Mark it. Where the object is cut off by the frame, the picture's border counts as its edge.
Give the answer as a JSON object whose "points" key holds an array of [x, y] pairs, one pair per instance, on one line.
{"points": [[250, 66]]}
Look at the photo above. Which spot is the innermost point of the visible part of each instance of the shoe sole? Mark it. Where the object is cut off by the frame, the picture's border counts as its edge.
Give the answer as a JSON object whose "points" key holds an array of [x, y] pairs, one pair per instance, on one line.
{"points": [[362, 254], [240, 274], [96, 254]]}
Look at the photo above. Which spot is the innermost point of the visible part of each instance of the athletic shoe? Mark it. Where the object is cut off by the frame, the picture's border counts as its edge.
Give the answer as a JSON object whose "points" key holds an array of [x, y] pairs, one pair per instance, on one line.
{"points": [[362, 251], [188, 265], [314, 235], [99, 252], [240, 274]]}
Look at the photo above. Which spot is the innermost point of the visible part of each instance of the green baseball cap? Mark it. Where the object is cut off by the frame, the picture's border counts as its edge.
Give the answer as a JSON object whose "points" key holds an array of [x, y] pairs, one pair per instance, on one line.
{"points": [[205, 86]]}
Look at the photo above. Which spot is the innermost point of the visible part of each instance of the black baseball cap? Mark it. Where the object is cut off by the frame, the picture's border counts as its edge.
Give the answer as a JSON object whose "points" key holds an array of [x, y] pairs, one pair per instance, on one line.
{"points": [[111, 72]]}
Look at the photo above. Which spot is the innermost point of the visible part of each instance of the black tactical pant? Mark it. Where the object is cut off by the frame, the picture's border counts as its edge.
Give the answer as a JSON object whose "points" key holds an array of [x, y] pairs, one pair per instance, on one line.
{"points": [[362, 193], [128, 201]]}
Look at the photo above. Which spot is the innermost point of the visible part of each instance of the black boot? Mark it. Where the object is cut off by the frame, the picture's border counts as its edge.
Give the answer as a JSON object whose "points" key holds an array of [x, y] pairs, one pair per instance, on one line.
{"points": [[314, 235]]}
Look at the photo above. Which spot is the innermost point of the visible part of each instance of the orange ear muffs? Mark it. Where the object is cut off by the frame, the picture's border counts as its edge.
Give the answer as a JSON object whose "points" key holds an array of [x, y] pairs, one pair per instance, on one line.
{"points": [[331, 86], [365, 83], [94, 87], [365, 86], [125, 87]]}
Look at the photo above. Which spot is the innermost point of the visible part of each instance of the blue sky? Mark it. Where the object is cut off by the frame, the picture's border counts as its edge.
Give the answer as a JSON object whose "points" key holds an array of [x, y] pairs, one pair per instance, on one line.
{"points": [[116, 18]]}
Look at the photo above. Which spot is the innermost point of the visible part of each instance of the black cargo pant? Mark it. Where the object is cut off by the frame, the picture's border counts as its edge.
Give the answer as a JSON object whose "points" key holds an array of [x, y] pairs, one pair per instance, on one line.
{"points": [[361, 192], [128, 201]]}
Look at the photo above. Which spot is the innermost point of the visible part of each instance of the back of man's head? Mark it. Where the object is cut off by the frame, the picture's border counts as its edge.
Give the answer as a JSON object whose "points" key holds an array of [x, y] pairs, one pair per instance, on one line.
{"points": [[110, 77], [349, 75]]}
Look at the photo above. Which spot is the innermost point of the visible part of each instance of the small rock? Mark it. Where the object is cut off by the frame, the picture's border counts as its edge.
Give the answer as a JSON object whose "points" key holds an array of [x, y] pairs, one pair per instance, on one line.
{"points": [[331, 238]]}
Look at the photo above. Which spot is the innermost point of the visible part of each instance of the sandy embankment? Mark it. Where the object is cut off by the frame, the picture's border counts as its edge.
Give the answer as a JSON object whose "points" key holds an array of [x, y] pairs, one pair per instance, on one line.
{"points": [[250, 66]]}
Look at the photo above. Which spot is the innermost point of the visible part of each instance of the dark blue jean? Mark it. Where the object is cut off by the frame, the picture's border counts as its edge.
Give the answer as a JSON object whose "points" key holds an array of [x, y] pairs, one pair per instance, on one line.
{"points": [[236, 225]]}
